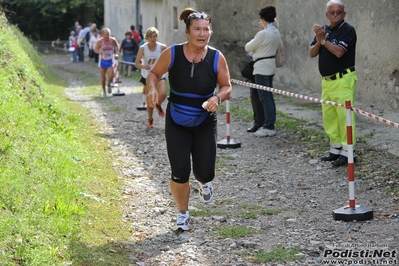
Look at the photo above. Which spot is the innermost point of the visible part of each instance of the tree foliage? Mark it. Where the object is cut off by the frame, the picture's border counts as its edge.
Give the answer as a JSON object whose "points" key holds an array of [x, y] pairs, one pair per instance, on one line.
{"points": [[52, 19]]}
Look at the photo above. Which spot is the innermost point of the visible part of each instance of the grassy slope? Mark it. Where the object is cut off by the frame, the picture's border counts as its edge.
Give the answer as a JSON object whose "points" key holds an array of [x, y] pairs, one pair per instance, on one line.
{"points": [[50, 158]]}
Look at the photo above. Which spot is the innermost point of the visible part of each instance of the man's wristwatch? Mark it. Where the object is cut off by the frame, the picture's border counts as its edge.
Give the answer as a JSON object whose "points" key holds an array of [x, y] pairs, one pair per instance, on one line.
{"points": [[323, 42], [219, 99]]}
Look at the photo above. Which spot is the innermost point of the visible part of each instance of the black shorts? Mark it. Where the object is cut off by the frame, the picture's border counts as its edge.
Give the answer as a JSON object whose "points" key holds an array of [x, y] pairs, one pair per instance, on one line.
{"points": [[144, 80], [194, 146]]}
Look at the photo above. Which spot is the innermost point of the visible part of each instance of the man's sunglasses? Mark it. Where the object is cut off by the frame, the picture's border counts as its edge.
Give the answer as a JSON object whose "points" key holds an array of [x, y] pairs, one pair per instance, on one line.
{"points": [[333, 13]]}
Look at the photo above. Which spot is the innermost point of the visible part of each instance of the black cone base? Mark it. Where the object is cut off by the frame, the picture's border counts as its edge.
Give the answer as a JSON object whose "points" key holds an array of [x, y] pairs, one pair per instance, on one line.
{"points": [[118, 93], [358, 213], [142, 107], [231, 144]]}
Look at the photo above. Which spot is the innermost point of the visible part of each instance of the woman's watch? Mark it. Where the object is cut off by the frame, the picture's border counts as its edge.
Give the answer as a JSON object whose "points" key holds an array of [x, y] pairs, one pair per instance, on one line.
{"points": [[219, 99]]}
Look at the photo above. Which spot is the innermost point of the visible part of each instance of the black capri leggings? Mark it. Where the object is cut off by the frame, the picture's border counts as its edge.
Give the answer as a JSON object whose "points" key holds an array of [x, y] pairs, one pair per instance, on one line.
{"points": [[199, 142]]}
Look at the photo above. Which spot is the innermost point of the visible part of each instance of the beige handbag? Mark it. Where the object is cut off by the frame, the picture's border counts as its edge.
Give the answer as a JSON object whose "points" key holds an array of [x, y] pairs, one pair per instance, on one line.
{"points": [[280, 56]]}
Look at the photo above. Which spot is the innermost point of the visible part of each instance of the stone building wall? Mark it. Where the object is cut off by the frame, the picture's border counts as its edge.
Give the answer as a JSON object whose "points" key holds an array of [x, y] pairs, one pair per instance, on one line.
{"points": [[235, 23]]}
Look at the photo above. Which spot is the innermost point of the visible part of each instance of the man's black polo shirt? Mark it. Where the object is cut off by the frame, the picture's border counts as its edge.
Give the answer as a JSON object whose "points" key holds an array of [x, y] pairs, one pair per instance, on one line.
{"points": [[343, 35]]}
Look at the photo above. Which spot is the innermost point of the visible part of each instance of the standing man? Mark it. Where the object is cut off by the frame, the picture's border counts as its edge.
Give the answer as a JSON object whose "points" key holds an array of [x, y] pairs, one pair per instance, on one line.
{"points": [[335, 44], [82, 40], [135, 35]]}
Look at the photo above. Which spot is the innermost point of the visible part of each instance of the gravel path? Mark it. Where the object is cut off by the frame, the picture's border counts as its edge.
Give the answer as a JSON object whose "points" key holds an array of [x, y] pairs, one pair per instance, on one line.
{"points": [[275, 187]]}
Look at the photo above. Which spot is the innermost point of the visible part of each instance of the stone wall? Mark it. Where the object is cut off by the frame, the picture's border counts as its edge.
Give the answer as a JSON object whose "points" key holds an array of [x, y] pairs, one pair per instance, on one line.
{"points": [[235, 23]]}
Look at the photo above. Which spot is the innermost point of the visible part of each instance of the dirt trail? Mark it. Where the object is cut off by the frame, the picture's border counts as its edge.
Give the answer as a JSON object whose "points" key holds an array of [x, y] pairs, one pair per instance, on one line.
{"points": [[275, 187]]}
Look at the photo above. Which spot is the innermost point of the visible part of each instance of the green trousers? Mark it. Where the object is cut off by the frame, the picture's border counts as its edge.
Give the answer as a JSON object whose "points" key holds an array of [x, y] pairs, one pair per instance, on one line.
{"points": [[334, 117]]}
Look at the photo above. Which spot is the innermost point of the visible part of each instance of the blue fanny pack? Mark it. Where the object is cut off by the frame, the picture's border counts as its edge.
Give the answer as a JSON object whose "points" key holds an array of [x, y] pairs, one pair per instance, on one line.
{"points": [[187, 116]]}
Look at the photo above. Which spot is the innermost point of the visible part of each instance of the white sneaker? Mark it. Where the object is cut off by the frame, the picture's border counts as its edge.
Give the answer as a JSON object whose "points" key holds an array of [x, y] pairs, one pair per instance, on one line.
{"points": [[206, 192], [103, 95], [182, 222], [264, 132]]}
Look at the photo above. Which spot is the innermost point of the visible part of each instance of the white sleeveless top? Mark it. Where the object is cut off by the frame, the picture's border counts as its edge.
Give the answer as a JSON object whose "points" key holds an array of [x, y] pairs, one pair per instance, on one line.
{"points": [[150, 58]]}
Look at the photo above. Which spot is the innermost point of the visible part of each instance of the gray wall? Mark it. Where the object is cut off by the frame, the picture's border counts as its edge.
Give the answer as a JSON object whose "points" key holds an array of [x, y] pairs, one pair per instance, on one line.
{"points": [[235, 23], [118, 16]]}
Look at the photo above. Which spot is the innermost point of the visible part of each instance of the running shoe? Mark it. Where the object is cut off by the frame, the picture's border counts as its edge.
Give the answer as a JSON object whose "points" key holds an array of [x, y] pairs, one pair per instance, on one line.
{"points": [[182, 221], [206, 192], [109, 88], [103, 95], [264, 132]]}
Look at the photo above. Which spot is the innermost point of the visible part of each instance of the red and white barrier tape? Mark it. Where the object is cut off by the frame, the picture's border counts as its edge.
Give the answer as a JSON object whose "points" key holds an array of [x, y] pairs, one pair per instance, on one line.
{"points": [[295, 95], [126, 62], [299, 96], [379, 119]]}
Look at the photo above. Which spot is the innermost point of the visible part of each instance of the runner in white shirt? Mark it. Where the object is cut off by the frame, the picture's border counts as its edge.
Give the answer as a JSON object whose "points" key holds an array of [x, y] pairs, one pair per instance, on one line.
{"points": [[147, 55]]}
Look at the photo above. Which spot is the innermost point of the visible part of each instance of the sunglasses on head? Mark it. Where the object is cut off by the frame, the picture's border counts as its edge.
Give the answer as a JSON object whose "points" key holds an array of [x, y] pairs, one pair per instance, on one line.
{"points": [[199, 16]]}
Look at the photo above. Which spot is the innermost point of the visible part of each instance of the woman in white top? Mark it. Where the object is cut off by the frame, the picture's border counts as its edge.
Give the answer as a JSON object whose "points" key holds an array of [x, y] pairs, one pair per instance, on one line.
{"points": [[92, 44], [147, 55], [264, 46]]}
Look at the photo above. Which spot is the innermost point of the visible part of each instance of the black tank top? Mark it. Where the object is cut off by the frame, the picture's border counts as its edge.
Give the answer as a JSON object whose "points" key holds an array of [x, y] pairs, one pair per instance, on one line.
{"points": [[201, 85]]}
